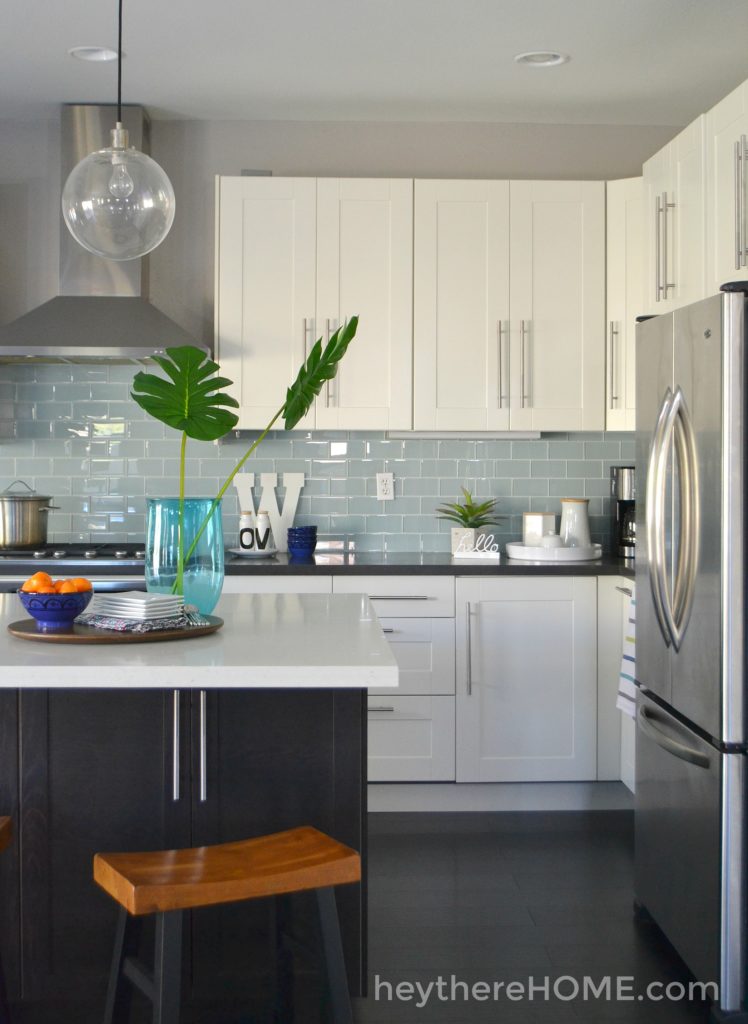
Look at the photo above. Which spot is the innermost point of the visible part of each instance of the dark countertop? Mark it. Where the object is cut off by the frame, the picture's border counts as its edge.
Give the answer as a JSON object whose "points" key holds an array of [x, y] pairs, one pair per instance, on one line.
{"points": [[339, 563]]}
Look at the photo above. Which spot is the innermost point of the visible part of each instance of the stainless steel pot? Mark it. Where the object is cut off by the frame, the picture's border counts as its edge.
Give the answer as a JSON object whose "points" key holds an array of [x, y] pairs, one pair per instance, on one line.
{"points": [[23, 517]]}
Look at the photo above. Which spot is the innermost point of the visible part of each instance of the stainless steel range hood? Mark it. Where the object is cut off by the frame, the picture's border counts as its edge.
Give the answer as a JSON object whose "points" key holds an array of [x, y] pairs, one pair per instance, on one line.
{"points": [[102, 312]]}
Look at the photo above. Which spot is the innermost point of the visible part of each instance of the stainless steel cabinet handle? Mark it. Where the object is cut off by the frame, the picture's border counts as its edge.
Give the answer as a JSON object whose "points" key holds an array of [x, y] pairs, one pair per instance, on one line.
{"points": [[646, 722], [666, 284], [381, 709], [658, 248], [203, 747], [524, 390], [399, 597], [738, 172], [625, 590], [469, 649], [387, 629], [743, 157], [330, 326], [308, 328], [613, 361], [502, 396], [175, 747]]}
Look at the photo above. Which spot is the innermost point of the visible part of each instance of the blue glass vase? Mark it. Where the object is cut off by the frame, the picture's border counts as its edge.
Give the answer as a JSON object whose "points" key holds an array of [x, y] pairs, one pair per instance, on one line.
{"points": [[203, 570]]}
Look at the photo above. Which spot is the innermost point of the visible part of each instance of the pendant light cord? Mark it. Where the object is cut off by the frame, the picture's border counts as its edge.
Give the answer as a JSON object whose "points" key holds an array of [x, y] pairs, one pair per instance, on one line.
{"points": [[119, 65]]}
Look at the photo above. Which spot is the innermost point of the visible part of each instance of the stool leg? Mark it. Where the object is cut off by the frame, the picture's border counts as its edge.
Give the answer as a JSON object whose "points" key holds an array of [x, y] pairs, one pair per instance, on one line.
{"points": [[283, 993], [167, 970], [332, 947], [119, 993], [4, 1008]]}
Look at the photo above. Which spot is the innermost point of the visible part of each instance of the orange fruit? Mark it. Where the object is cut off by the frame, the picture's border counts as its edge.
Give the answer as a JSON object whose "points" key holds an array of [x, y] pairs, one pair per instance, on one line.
{"points": [[66, 587], [30, 586], [43, 578], [57, 584], [80, 583], [46, 590]]}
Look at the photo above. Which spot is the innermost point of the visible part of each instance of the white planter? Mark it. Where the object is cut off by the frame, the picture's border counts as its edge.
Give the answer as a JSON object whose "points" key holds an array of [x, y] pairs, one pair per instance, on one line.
{"points": [[463, 535]]}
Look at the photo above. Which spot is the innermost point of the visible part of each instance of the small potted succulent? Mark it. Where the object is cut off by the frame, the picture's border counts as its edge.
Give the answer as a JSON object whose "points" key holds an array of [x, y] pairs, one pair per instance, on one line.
{"points": [[470, 516]]}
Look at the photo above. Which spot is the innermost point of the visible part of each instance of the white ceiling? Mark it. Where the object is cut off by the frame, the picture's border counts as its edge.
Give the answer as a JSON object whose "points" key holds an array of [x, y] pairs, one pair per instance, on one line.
{"points": [[656, 62]]}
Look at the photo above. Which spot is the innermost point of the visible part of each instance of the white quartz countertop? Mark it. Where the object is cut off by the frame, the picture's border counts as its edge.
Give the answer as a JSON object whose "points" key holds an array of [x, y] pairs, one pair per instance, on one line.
{"points": [[267, 641]]}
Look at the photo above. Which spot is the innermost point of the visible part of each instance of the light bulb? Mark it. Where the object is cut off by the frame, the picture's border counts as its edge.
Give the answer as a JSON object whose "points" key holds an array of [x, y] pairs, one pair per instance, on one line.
{"points": [[121, 184], [117, 202]]}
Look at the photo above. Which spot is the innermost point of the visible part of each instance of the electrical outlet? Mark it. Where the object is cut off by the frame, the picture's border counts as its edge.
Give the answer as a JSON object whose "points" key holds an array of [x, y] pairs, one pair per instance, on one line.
{"points": [[385, 486]]}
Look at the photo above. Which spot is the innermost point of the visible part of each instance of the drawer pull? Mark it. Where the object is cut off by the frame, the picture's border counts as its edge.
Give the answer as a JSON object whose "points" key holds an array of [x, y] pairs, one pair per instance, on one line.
{"points": [[625, 590], [387, 629], [399, 597], [381, 709]]}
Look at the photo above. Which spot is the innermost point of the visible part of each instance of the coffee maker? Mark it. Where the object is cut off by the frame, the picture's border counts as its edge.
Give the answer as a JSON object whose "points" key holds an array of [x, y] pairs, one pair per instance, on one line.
{"points": [[623, 492]]}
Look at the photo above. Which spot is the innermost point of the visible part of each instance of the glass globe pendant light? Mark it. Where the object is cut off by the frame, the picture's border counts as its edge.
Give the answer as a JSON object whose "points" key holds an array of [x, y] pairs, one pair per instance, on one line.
{"points": [[117, 202]]}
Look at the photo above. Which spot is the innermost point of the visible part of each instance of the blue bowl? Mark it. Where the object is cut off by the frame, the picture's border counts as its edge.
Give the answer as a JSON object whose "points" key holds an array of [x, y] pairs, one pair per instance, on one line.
{"points": [[301, 549], [54, 611]]}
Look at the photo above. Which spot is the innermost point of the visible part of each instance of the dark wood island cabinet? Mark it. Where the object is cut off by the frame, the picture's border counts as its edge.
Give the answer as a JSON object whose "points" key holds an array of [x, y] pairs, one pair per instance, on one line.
{"points": [[83, 771]]}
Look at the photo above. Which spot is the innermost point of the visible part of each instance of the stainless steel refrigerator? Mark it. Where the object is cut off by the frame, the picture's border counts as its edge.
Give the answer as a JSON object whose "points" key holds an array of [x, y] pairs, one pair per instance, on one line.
{"points": [[691, 825]]}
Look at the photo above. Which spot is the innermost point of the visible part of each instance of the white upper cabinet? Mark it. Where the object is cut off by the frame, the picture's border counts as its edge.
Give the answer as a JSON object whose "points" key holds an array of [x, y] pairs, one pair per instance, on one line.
{"points": [[674, 182], [265, 289], [727, 189], [509, 310], [557, 303], [461, 305], [365, 267], [297, 256], [625, 294]]}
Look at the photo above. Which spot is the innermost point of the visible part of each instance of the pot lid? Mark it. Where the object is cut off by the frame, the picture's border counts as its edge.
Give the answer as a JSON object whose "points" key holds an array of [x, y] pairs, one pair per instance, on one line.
{"points": [[28, 495]]}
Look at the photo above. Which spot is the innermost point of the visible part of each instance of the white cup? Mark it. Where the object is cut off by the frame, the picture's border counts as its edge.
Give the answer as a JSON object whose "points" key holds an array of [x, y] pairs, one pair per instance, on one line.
{"points": [[551, 540]]}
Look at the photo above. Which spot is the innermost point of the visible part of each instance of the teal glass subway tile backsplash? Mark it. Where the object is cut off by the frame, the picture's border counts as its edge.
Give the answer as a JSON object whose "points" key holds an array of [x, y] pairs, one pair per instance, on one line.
{"points": [[81, 439]]}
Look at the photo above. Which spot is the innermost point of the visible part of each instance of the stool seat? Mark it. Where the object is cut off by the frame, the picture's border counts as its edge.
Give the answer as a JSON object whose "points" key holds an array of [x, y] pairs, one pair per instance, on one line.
{"points": [[5, 833], [285, 862]]}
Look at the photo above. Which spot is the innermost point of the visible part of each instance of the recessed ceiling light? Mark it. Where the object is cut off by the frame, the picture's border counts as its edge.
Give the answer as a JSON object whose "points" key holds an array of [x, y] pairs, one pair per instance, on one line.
{"points": [[542, 58], [96, 54]]}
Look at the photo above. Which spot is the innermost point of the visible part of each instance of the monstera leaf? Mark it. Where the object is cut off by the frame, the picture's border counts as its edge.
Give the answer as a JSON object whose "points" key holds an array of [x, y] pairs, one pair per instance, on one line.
{"points": [[321, 366], [191, 400]]}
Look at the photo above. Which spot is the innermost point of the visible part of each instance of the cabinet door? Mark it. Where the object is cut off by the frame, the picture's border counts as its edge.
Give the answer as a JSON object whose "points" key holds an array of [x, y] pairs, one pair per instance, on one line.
{"points": [[411, 739], [274, 760], [461, 305], [557, 305], [365, 267], [658, 180], [97, 775], [686, 243], [625, 296], [265, 289], [10, 878], [727, 189], [526, 679]]}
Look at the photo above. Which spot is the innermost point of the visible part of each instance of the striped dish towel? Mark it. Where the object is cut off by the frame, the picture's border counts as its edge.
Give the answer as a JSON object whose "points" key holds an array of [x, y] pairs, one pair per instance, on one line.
{"points": [[626, 700]]}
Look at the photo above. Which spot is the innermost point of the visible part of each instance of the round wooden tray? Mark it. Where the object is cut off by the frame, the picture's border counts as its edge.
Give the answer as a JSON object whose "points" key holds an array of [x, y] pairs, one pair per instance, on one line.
{"points": [[27, 629]]}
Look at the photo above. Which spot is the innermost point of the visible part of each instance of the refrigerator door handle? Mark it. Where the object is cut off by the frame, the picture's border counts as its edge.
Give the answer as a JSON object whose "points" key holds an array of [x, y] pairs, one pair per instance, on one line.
{"points": [[655, 516], [646, 722], [688, 546]]}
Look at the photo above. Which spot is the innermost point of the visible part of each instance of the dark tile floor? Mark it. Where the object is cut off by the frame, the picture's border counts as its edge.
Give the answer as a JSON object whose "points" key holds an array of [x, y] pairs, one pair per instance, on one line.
{"points": [[509, 897]]}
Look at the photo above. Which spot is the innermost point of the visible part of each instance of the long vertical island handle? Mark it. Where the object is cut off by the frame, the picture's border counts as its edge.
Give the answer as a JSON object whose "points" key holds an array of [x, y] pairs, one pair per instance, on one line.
{"points": [[176, 756], [203, 747]]}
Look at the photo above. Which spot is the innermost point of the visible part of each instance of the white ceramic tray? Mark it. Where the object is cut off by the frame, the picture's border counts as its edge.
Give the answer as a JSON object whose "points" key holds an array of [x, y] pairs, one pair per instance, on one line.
{"points": [[253, 552], [538, 554]]}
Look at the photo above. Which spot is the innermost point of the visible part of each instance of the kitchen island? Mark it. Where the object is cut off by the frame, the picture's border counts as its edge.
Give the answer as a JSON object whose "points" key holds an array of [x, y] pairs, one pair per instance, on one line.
{"points": [[257, 728]]}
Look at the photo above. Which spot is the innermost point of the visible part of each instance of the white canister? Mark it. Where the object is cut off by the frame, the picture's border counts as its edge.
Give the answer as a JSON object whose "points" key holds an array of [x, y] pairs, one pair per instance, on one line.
{"points": [[247, 530], [263, 533], [575, 523], [535, 525], [255, 533]]}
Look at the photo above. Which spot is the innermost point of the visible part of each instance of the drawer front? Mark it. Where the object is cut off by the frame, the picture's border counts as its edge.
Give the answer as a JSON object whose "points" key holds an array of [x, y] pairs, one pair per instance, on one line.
{"points": [[425, 653], [409, 597], [413, 740], [277, 584]]}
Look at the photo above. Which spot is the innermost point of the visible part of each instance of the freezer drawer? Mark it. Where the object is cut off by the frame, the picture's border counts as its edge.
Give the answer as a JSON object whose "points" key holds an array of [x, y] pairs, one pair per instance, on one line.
{"points": [[678, 835]]}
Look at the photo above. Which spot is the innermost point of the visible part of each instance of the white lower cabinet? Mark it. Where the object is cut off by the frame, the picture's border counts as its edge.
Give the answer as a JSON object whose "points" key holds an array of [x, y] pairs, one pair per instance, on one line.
{"points": [[425, 653], [526, 679], [411, 739]]}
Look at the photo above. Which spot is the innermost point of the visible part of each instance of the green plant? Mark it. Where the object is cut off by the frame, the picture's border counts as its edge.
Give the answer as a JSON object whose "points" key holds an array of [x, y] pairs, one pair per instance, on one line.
{"points": [[469, 514], [193, 401]]}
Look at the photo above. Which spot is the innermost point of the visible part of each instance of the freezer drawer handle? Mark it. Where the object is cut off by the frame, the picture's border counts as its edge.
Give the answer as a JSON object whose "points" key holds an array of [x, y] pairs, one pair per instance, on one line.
{"points": [[398, 597], [647, 725]]}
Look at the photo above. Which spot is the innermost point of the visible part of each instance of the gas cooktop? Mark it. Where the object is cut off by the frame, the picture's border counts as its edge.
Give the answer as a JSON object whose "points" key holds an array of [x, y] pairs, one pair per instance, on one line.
{"points": [[93, 556]]}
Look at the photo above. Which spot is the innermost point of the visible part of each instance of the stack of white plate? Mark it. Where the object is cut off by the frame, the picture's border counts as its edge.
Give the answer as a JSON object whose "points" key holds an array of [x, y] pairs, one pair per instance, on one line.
{"points": [[138, 606]]}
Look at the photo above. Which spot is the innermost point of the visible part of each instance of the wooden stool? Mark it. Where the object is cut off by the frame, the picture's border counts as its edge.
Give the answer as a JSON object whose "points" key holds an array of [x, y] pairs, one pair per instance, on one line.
{"points": [[6, 834], [168, 882]]}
